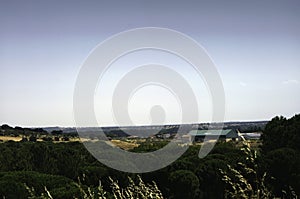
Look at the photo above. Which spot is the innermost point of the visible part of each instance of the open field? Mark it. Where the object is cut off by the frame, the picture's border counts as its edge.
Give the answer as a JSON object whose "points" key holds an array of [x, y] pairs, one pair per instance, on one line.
{"points": [[8, 138], [124, 144], [19, 138]]}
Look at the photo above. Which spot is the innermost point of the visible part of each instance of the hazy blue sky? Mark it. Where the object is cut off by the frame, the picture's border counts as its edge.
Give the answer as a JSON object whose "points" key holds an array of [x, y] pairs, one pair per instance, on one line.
{"points": [[254, 44]]}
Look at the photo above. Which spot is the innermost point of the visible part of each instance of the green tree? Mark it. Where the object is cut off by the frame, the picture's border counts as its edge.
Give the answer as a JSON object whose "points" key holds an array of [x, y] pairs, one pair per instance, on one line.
{"points": [[280, 132], [184, 184]]}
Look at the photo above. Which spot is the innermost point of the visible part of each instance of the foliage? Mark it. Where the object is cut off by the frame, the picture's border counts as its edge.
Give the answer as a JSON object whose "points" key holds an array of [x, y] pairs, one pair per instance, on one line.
{"points": [[281, 132], [185, 184], [244, 180], [283, 165], [132, 191], [281, 154], [12, 184]]}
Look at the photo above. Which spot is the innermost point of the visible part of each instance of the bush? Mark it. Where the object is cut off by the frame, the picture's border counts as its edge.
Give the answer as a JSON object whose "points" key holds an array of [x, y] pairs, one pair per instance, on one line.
{"points": [[12, 185]]}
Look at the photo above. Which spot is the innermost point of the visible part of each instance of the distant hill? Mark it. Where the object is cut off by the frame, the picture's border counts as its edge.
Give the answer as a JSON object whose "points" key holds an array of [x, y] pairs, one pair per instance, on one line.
{"points": [[141, 131]]}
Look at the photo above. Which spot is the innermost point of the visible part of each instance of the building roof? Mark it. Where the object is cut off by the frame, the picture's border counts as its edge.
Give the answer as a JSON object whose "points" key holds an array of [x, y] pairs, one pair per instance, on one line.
{"points": [[251, 135], [215, 132]]}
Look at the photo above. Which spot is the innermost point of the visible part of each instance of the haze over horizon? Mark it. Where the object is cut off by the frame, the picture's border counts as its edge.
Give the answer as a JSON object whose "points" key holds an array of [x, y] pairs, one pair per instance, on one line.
{"points": [[255, 46]]}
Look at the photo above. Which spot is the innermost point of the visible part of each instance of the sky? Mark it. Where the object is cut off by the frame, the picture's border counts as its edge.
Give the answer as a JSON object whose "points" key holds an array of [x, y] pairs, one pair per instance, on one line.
{"points": [[255, 46]]}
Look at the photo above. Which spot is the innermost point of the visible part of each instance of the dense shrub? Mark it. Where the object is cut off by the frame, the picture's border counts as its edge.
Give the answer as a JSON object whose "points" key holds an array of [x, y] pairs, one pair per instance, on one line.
{"points": [[13, 184]]}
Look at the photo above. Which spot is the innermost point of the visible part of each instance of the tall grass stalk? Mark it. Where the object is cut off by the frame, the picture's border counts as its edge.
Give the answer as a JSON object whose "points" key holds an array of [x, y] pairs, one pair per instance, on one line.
{"points": [[244, 181], [139, 190]]}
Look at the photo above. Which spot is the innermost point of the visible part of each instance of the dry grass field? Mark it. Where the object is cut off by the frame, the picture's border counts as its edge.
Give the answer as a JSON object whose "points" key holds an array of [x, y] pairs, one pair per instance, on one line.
{"points": [[8, 138], [125, 145], [19, 138]]}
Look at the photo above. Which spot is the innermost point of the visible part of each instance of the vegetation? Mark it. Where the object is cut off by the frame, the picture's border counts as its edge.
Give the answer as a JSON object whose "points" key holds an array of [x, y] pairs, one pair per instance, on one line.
{"points": [[133, 190], [52, 169], [281, 154]]}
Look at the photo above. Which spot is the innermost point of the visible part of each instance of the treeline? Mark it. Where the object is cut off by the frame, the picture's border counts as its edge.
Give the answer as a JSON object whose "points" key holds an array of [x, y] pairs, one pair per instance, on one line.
{"points": [[6, 130], [32, 134]]}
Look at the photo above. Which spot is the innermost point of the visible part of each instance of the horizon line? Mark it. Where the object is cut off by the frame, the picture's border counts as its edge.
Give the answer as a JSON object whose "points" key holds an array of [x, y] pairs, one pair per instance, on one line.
{"points": [[140, 125]]}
